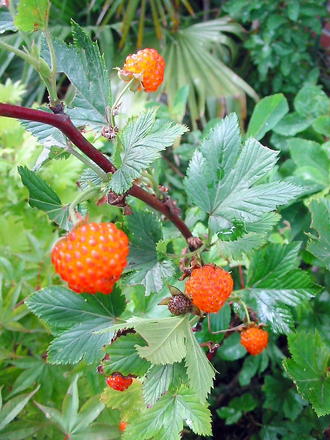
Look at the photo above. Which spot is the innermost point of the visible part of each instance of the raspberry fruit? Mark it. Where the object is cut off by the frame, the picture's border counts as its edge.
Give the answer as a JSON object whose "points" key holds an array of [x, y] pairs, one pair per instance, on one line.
{"points": [[179, 305], [119, 382], [149, 64], [254, 339], [122, 426], [92, 257], [209, 287]]}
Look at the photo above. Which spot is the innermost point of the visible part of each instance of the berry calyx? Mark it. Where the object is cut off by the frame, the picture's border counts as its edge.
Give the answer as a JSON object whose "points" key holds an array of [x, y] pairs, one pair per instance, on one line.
{"points": [[92, 257], [148, 65], [179, 304], [254, 339], [122, 426], [119, 382], [209, 287]]}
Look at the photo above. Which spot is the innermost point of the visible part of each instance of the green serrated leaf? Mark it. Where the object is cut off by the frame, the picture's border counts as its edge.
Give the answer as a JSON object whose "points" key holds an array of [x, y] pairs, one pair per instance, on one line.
{"points": [[124, 357], [84, 66], [320, 246], [142, 140], [160, 378], [276, 284], [43, 197], [145, 230], [200, 371], [61, 308], [129, 402], [233, 194], [32, 15], [165, 419], [165, 338], [81, 342], [309, 369]]}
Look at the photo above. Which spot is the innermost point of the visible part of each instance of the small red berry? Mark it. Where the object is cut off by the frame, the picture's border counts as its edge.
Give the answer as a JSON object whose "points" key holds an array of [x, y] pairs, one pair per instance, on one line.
{"points": [[254, 339], [119, 382], [92, 257], [209, 287], [150, 64], [122, 426]]}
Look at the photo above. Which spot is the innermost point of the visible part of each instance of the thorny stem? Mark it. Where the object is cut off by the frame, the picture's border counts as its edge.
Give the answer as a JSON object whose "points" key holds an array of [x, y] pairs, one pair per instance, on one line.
{"points": [[65, 125]]}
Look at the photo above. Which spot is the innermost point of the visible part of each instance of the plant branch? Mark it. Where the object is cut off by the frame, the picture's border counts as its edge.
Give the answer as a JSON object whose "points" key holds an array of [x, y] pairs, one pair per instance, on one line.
{"points": [[65, 125]]}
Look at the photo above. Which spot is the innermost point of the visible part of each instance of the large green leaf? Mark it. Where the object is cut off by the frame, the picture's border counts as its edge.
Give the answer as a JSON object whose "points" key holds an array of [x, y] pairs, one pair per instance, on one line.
{"points": [[313, 164], [232, 192], [84, 66], [311, 102], [32, 15], [146, 232], [141, 141], [81, 317], [309, 369], [200, 371], [124, 357], [129, 402], [165, 338], [159, 379], [43, 197], [13, 407], [275, 283], [320, 246], [165, 419], [266, 114]]}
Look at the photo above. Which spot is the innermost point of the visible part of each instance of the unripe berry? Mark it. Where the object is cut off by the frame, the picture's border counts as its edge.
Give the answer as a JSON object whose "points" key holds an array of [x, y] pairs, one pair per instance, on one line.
{"points": [[209, 287], [92, 257], [179, 305], [254, 339]]}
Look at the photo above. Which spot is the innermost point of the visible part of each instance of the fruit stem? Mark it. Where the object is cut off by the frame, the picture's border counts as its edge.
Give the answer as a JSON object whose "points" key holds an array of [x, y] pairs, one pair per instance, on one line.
{"points": [[117, 101], [65, 125], [232, 329], [246, 312], [82, 196]]}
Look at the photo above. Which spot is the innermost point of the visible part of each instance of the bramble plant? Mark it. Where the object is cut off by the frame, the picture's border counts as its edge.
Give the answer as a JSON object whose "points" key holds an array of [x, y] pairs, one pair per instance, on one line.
{"points": [[151, 297]]}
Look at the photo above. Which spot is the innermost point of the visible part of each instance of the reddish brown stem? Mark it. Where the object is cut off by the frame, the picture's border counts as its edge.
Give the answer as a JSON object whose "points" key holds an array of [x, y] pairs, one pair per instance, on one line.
{"points": [[65, 125], [241, 276]]}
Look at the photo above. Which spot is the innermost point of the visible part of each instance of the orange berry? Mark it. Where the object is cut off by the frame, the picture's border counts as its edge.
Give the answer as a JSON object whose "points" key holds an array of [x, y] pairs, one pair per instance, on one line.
{"points": [[119, 382], [150, 64], [92, 257], [122, 426], [209, 287], [254, 339]]}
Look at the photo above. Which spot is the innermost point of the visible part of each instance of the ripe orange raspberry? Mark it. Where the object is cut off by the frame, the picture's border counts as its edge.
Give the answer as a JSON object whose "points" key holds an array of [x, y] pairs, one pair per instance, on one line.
{"points": [[119, 382], [92, 257], [209, 287], [122, 426], [254, 339], [150, 64]]}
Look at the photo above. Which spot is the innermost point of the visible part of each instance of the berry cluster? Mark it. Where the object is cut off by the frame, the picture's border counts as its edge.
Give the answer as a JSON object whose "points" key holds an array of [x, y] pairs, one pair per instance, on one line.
{"points": [[209, 287], [119, 382], [149, 64], [92, 257]]}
